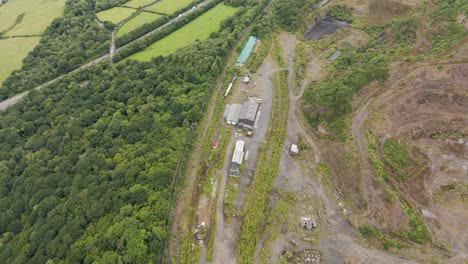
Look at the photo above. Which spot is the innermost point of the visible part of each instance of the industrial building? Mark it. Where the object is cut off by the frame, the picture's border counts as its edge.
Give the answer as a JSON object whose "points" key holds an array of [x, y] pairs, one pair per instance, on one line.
{"points": [[242, 115], [231, 113], [248, 114], [237, 158]]}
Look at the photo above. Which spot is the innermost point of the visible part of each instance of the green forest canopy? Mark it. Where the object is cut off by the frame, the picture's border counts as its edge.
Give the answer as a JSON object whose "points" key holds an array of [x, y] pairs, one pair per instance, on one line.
{"points": [[86, 164]]}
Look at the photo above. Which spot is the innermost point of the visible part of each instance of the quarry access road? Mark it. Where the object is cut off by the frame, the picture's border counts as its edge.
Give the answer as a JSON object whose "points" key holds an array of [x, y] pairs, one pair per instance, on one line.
{"points": [[13, 100], [227, 233], [340, 241]]}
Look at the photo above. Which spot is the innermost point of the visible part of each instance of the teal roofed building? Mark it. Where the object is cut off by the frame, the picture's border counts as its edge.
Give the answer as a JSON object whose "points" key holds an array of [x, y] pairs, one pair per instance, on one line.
{"points": [[245, 53]]}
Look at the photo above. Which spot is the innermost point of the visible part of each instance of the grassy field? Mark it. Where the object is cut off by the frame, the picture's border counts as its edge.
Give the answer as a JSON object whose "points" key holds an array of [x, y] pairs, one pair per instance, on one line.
{"points": [[115, 15], [138, 3], [12, 52], [137, 22], [169, 6], [37, 15], [200, 29]]}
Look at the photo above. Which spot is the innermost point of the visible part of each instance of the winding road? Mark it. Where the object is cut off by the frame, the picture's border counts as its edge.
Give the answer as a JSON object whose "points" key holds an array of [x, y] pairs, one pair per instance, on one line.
{"points": [[13, 100]]}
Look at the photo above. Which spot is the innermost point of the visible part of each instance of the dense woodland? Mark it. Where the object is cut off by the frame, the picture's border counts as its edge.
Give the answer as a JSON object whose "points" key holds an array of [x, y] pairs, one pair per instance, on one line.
{"points": [[289, 14], [67, 43], [86, 164], [106, 4]]}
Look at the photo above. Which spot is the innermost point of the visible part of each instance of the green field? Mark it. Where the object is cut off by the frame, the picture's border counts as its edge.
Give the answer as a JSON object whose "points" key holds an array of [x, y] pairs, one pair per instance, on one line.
{"points": [[12, 53], [137, 22], [138, 3], [115, 15], [37, 15], [169, 6], [200, 29]]}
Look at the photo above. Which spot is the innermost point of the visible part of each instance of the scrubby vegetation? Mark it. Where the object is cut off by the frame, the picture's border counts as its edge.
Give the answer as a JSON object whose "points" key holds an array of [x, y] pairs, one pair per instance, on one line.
{"points": [[106, 4], [444, 21], [300, 64], [395, 155], [290, 14], [376, 235], [417, 231], [330, 100], [269, 153], [341, 12]]}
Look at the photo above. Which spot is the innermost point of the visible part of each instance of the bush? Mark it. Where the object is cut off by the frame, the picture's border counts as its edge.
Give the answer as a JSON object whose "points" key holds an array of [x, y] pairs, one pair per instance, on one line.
{"points": [[341, 12]]}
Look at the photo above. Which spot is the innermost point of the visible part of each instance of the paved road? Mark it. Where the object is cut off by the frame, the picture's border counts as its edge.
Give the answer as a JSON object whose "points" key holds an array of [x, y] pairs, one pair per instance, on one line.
{"points": [[11, 101], [112, 47]]}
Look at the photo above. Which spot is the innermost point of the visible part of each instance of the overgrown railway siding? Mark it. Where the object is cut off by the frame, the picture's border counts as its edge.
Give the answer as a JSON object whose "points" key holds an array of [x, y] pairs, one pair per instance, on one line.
{"points": [[268, 167]]}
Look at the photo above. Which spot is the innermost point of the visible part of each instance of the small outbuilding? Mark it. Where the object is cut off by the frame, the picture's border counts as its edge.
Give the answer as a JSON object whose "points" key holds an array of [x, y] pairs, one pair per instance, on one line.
{"points": [[294, 149], [237, 158]]}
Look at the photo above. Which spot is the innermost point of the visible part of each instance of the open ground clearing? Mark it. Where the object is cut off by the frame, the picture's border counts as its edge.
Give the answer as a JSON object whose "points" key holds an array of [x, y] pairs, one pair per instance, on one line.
{"points": [[12, 52], [381, 11], [198, 29], [115, 15], [138, 3], [137, 22], [169, 6], [24, 17], [425, 109]]}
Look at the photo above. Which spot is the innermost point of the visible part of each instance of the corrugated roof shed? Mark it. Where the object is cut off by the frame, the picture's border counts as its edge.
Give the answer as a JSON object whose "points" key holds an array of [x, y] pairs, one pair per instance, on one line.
{"points": [[238, 155], [233, 114], [226, 111], [248, 111], [240, 145]]}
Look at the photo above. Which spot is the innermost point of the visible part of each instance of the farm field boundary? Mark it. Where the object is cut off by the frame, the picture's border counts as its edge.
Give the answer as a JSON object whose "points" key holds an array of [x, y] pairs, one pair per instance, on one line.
{"points": [[198, 29]]}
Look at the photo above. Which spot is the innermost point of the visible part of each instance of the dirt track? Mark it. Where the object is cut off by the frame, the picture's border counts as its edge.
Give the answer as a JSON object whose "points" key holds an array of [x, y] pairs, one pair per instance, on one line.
{"points": [[417, 102], [338, 242]]}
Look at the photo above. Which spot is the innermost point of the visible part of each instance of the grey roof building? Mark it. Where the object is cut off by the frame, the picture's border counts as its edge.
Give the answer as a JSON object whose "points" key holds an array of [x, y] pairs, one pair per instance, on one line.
{"points": [[232, 115], [247, 114]]}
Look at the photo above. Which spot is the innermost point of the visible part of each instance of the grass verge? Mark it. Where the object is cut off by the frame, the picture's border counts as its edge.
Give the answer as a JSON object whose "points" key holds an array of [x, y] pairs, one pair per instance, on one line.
{"points": [[138, 21], [35, 16], [115, 15], [138, 3], [417, 231], [12, 52], [169, 7]]}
